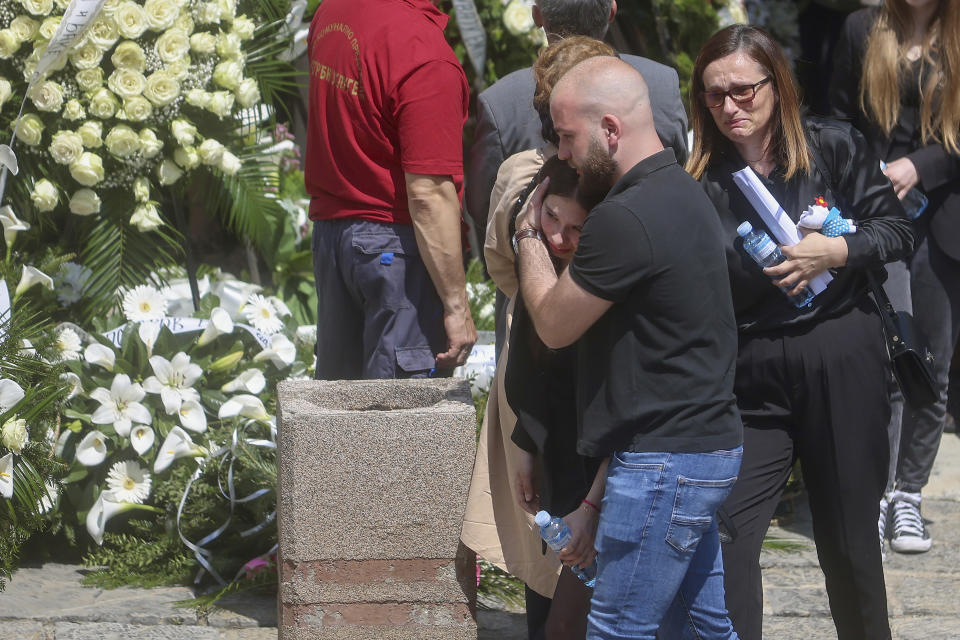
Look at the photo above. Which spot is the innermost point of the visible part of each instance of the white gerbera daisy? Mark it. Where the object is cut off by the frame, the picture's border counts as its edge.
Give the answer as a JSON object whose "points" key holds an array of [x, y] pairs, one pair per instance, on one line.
{"points": [[261, 313], [68, 344], [129, 482], [70, 282], [144, 303]]}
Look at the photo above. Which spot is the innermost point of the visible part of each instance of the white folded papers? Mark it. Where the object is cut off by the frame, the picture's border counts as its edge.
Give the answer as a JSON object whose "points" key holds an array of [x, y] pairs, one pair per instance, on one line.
{"points": [[784, 230]]}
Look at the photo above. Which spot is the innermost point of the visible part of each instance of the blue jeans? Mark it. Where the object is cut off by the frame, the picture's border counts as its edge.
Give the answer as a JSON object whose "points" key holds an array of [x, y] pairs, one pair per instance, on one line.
{"points": [[658, 548]]}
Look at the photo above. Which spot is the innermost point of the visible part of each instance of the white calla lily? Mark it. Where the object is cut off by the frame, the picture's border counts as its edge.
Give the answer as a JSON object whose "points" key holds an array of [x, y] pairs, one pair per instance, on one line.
{"points": [[220, 323], [74, 385], [142, 438], [173, 380], [10, 394], [108, 505], [281, 352], [6, 476], [92, 450], [11, 224], [148, 332], [120, 406], [102, 355], [192, 416], [176, 445], [31, 276], [244, 405], [250, 381]]}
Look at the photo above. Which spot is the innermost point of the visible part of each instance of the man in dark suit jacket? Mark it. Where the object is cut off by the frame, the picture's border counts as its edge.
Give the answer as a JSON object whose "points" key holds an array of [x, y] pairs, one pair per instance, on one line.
{"points": [[507, 122]]}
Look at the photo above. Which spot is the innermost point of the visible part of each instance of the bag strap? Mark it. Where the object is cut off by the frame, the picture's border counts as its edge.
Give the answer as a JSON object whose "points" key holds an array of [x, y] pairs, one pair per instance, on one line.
{"points": [[521, 199]]}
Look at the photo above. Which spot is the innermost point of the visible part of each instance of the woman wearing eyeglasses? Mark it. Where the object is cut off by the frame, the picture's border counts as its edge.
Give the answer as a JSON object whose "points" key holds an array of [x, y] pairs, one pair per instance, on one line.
{"points": [[810, 381]]}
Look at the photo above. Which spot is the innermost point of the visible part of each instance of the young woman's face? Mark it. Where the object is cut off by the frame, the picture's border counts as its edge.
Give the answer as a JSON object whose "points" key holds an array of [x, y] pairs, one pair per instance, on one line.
{"points": [[750, 119], [561, 222]]}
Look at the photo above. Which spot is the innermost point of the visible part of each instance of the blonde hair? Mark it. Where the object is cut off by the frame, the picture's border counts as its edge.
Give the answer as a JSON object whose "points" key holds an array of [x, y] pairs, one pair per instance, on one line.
{"points": [[789, 145], [886, 69]]}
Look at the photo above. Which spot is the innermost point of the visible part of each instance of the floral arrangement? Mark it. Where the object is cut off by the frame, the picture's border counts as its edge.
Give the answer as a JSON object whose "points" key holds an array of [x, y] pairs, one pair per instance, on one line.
{"points": [[149, 396]]}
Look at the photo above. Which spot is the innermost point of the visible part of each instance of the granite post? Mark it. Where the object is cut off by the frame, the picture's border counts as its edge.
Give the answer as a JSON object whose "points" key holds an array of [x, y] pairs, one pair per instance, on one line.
{"points": [[373, 479]]}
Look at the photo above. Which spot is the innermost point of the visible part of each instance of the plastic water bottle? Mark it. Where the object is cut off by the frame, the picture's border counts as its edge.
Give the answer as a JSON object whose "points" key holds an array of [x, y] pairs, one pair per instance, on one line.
{"points": [[766, 253], [914, 203], [557, 535]]}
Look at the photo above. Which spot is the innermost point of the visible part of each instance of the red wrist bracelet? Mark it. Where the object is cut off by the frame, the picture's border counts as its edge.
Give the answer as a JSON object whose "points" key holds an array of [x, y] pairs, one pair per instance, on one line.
{"points": [[591, 505]]}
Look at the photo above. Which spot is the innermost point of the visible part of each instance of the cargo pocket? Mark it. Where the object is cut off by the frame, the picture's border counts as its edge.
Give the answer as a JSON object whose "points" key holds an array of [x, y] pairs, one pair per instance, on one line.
{"points": [[415, 362], [383, 260], [694, 507]]}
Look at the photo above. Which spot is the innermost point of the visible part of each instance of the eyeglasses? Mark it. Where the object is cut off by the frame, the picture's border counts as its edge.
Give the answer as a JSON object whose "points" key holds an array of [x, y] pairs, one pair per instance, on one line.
{"points": [[740, 95]]}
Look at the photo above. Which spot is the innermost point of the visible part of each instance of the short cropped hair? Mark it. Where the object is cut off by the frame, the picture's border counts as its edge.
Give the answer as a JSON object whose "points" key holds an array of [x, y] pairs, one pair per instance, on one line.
{"points": [[576, 17]]}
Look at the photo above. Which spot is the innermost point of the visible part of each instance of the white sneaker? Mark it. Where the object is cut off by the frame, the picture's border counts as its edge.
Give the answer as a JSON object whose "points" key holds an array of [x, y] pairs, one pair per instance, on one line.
{"points": [[882, 524], [909, 533]]}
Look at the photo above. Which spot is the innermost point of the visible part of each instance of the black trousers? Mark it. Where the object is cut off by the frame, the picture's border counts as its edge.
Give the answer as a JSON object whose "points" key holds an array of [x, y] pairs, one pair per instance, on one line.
{"points": [[820, 395]]}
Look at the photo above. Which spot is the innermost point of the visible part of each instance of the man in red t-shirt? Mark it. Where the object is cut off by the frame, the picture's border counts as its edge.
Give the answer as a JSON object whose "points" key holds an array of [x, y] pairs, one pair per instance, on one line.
{"points": [[384, 169]]}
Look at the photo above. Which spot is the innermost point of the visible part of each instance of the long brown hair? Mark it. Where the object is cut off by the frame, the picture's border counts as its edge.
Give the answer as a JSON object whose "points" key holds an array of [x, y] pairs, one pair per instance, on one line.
{"points": [[885, 70], [789, 146]]}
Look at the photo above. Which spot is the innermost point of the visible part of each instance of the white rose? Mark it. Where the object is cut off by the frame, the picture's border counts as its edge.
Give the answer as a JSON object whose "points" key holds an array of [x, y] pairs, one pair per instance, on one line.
{"points": [[9, 44], [131, 19], [122, 141], [127, 83], [248, 93], [88, 170], [183, 132], [141, 189], [91, 133], [244, 27], [198, 98], [14, 434], [228, 10], [229, 163], [184, 22], [208, 13], [228, 45], [103, 104], [73, 110], [203, 42], [47, 96], [210, 152], [186, 157], [110, 8], [90, 79], [85, 202], [137, 109], [38, 7], [44, 195], [228, 74], [24, 27], [104, 32], [150, 144], [146, 217], [129, 55], [66, 147], [161, 14], [48, 28], [172, 45], [162, 88], [86, 57], [6, 89], [221, 103], [168, 172], [517, 18], [30, 129], [179, 69]]}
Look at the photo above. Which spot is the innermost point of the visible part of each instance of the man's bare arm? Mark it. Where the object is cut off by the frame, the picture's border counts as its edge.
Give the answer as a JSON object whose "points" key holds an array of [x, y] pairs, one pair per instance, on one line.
{"points": [[435, 211]]}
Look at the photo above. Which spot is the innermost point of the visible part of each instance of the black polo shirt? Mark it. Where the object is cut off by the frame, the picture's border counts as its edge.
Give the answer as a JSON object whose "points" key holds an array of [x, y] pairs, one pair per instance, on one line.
{"points": [[655, 373]]}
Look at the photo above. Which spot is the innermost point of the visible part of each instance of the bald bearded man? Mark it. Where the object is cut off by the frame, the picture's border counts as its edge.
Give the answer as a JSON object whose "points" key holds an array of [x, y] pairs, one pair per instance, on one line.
{"points": [[648, 298]]}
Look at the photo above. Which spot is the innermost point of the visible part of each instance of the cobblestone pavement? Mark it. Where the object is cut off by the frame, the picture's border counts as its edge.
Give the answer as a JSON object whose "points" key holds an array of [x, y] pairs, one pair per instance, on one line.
{"points": [[48, 602]]}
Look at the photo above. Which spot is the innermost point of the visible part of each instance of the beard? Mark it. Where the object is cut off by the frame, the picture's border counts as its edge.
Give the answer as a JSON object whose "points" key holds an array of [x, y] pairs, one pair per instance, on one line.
{"points": [[596, 173]]}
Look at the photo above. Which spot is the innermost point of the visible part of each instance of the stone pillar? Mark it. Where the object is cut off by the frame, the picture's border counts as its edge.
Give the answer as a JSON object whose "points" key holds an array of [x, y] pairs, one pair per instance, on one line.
{"points": [[373, 479]]}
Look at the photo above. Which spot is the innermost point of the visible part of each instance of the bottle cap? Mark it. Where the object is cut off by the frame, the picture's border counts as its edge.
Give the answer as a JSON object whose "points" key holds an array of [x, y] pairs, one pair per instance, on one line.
{"points": [[744, 229], [542, 518]]}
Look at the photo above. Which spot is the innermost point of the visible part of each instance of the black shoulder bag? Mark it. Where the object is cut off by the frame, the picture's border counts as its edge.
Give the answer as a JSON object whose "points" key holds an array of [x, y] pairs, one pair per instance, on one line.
{"points": [[910, 359]]}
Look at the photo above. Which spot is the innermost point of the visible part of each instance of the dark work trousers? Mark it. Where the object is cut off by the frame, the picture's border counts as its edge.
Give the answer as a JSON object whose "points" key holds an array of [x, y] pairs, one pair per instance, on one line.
{"points": [[378, 313], [935, 285], [819, 395]]}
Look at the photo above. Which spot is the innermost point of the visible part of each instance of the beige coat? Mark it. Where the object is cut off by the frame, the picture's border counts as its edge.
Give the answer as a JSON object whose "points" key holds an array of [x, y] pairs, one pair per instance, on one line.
{"points": [[494, 525]]}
